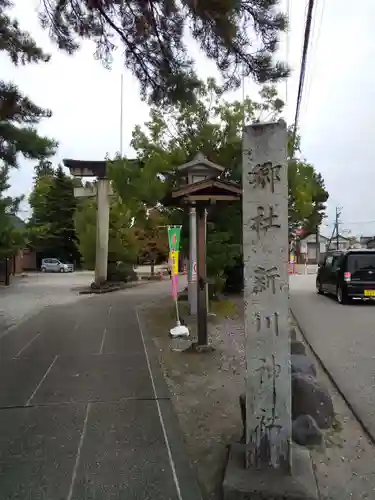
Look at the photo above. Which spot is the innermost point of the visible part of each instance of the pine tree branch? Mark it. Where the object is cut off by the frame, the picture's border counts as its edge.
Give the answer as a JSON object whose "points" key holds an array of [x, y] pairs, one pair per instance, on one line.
{"points": [[152, 31], [24, 140], [18, 44], [18, 108]]}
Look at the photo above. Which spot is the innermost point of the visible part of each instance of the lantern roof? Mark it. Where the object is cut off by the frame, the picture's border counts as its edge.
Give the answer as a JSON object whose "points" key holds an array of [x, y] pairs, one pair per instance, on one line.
{"points": [[208, 191]]}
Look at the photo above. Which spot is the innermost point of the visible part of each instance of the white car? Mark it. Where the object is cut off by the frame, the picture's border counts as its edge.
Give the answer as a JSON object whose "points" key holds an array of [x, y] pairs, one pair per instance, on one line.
{"points": [[56, 266]]}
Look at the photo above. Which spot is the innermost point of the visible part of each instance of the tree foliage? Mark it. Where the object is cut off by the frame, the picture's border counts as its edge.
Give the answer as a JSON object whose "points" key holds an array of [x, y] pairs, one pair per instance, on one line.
{"points": [[152, 237], [18, 119], [213, 127], [137, 182], [19, 115], [12, 238], [53, 205], [151, 35], [122, 245], [307, 197]]}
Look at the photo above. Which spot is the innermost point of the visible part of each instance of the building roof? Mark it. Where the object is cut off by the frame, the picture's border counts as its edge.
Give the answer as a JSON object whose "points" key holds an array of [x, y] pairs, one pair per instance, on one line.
{"points": [[93, 168], [201, 161], [366, 239], [207, 191], [312, 235], [321, 236], [348, 238]]}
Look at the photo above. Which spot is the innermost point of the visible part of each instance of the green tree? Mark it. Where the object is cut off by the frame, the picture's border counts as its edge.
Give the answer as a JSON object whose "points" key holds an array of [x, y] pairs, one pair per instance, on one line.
{"points": [[19, 115], [44, 168], [151, 35], [137, 182], [307, 197], [213, 127], [11, 237], [122, 244], [51, 225], [152, 237], [18, 119]]}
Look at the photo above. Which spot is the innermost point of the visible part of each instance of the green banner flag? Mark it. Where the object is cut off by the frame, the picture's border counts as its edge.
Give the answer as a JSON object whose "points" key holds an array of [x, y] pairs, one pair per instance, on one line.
{"points": [[174, 238]]}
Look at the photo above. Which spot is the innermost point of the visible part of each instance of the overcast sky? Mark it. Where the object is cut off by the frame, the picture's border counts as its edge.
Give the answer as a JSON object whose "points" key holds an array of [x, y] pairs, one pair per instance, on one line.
{"points": [[337, 115]]}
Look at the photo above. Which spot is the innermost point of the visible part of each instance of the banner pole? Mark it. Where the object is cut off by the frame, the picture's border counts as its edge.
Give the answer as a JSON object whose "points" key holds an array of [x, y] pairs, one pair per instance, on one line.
{"points": [[174, 247], [177, 312]]}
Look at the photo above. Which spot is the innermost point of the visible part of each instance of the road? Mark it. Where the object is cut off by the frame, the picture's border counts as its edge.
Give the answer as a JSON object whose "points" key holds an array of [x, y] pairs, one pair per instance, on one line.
{"points": [[344, 339], [84, 410]]}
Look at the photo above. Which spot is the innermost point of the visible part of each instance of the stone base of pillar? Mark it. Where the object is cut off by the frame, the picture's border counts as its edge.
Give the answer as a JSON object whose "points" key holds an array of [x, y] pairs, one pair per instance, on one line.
{"points": [[241, 483], [200, 349]]}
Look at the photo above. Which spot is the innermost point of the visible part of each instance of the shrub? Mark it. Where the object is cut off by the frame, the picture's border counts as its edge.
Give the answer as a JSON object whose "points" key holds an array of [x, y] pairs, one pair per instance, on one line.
{"points": [[121, 271], [234, 278]]}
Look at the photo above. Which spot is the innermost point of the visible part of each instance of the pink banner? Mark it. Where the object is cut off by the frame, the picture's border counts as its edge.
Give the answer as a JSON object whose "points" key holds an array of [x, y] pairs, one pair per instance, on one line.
{"points": [[175, 287]]}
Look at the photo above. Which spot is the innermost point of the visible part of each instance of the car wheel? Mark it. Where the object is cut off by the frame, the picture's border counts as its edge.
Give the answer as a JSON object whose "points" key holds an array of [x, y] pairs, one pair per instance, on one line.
{"points": [[341, 296], [62, 270], [43, 269], [319, 288]]}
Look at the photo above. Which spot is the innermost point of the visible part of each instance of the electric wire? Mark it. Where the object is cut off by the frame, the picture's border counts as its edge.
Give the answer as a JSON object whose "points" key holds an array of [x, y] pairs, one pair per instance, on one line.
{"points": [[306, 41], [313, 57]]}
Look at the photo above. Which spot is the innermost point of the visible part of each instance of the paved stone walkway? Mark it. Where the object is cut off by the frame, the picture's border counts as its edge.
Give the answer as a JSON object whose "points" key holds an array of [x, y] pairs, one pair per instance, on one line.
{"points": [[84, 410]]}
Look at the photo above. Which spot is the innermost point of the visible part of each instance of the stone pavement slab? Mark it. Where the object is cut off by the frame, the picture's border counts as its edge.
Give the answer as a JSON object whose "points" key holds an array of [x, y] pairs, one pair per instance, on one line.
{"points": [[122, 334], [83, 416], [123, 455], [38, 448], [19, 378], [104, 378]]}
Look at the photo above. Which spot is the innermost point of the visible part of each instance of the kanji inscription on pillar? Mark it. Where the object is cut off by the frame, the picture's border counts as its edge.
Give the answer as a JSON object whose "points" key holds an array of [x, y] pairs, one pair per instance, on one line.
{"points": [[266, 295]]}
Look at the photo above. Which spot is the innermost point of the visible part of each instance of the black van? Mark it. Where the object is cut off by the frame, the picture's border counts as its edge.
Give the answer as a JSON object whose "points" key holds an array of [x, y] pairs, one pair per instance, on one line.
{"points": [[347, 274]]}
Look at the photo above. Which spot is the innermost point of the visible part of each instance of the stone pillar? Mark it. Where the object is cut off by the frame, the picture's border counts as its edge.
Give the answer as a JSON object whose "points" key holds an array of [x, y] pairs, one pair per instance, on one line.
{"points": [[267, 465], [192, 285], [201, 278], [102, 230], [205, 245], [266, 295]]}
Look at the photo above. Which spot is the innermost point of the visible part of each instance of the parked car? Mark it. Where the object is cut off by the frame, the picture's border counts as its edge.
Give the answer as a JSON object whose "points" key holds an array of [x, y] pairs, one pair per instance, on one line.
{"points": [[347, 274], [56, 266]]}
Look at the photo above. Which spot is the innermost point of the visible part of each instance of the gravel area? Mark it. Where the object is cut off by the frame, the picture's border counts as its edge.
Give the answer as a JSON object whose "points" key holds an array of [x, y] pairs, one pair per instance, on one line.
{"points": [[29, 294], [205, 389]]}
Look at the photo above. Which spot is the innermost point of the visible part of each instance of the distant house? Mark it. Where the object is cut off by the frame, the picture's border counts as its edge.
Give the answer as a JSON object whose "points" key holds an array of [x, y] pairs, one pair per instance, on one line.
{"points": [[367, 241], [307, 247], [23, 260], [344, 243]]}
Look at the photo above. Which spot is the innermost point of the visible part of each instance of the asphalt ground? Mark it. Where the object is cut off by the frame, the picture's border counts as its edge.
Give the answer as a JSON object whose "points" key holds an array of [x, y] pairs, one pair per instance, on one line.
{"points": [[343, 337]]}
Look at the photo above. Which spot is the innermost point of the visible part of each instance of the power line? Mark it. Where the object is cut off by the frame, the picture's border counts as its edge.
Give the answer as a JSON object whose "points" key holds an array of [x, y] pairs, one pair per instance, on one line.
{"points": [[314, 50], [303, 66], [360, 222], [337, 224], [287, 47], [121, 112]]}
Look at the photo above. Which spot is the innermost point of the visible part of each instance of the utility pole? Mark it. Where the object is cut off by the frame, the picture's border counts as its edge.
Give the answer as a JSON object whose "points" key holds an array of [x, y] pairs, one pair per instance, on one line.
{"points": [[121, 112], [337, 223], [317, 244]]}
